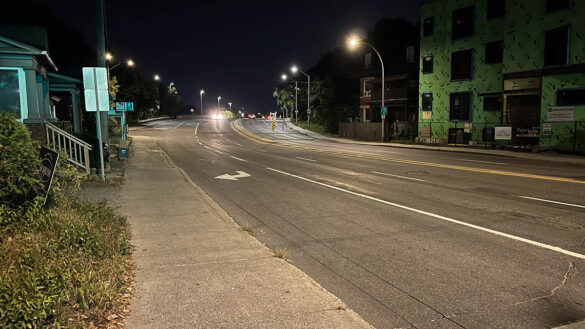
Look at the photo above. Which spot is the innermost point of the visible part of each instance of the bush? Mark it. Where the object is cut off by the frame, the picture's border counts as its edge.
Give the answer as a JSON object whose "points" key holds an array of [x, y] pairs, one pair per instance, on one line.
{"points": [[19, 163]]}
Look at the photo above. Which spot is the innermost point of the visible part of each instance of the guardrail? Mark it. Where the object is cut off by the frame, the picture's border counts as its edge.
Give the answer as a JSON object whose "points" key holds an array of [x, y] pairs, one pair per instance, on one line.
{"points": [[76, 149]]}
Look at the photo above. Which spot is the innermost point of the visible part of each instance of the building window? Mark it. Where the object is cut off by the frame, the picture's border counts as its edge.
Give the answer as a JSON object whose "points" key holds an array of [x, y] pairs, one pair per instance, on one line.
{"points": [[556, 46], [496, 8], [368, 61], [492, 103], [410, 54], [462, 25], [428, 27], [427, 101], [427, 64], [461, 63], [571, 97], [13, 92], [367, 91], [553, 5], [460, 106], [494, 52]]}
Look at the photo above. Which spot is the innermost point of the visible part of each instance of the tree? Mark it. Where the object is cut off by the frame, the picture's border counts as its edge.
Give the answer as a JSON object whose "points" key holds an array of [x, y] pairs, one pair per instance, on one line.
{"points": [[171, 103], [145, 97]]}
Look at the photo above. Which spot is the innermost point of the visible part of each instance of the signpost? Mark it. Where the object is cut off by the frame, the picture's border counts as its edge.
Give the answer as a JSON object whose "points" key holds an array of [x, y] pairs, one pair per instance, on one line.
{"points": [[95, 84], [384, 113], [273, 122], [49, 159]]}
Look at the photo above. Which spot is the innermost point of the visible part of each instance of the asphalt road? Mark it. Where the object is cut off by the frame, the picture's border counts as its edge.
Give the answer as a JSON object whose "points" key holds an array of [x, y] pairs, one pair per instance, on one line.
{"points": [[407, 238]]}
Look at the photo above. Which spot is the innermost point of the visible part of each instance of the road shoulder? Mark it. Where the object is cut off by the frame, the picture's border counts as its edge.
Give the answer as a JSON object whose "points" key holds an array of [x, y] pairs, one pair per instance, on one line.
{"points": [[195, 267]]}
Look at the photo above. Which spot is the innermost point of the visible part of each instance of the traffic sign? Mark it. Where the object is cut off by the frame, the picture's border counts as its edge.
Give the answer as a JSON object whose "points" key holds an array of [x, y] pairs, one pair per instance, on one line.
{"points": [[384, 111], [273, 124], [95, 84], [125, 106]]}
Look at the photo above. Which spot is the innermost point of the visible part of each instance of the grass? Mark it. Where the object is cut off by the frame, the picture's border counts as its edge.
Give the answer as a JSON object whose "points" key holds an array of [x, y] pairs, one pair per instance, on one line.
{"points": [[248, 230], [63, 265], [280, 253], [316, 127]]}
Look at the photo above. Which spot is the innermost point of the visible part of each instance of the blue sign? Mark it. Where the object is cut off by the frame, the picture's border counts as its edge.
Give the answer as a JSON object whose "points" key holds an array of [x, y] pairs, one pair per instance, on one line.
{"points": [[112, 112], [125, 106], [384, 112]]}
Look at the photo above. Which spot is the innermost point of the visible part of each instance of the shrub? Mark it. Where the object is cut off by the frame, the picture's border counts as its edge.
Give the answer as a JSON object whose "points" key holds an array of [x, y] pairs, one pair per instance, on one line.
{"points": [[19, 163]]}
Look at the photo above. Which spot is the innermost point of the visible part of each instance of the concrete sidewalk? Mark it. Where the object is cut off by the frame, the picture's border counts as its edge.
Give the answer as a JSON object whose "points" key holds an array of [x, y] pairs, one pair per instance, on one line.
{"points": [[196, 268], [555, 157]]}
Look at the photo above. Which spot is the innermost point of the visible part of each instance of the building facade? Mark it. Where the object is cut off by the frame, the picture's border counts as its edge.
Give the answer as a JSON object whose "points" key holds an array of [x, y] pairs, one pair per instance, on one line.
{"points": [[503, 72]]}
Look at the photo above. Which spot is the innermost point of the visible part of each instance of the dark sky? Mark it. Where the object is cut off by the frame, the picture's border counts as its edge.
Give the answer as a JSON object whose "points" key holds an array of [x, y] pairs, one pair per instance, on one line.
{"points": [[236, 49]]}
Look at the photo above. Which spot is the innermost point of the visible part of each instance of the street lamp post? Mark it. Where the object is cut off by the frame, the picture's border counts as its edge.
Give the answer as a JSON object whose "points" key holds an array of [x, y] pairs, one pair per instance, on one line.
{"points": [[285, 77], [193, 113], [218, 98], [201, 92], [230, 104], [294, 69], [352, 43]]}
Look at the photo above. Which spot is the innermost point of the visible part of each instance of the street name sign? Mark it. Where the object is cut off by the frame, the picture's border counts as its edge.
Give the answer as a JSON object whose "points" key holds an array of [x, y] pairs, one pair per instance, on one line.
{"points": [[125, 106], [384, 111]]}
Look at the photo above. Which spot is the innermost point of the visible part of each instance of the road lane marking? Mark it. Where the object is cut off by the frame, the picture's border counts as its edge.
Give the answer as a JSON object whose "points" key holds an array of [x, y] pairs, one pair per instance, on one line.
{"points": [[386, 174], [238, 158], [447, 219], [262, 150], [239, 144], [479, 161], [175, 127], [261, 140], [217, 151], [207, 147], [195, 131], [550, 201], [240, 174], [305, 159]]}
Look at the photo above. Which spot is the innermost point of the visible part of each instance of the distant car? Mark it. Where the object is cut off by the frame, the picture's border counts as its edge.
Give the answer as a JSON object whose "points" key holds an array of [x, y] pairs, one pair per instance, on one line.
{"points": [[267, 117], [252, 116], [218, 116]]}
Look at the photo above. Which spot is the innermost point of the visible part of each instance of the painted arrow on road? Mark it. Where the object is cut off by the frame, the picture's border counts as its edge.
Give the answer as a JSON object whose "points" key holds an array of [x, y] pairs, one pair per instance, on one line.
{"points": [[241, 174]]}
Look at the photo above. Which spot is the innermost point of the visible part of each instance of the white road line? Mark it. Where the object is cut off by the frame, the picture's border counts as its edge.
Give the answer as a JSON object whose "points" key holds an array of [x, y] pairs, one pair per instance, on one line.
{"points": [[385, 174], [550, 201], [239, 144], [199, 143], [218, 151], [207, 147], [478, 161], [306, 159], [175, 127], [451, 220], [262, 150], [227, 139], [238, 158], [195, 131]]}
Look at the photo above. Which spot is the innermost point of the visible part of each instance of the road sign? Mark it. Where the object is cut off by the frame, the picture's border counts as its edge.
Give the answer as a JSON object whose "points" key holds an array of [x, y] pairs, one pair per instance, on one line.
{"points": [[124, 106], [273, 124], [95, 84], [384, 111]]}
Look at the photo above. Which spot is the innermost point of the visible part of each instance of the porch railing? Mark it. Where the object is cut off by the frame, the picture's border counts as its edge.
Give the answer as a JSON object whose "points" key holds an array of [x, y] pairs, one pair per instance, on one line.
{"points": [[76, 149]]}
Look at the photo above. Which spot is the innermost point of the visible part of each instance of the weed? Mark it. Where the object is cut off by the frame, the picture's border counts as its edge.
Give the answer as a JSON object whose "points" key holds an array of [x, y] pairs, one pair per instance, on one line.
{"points": [[248, 230], [280, 253]]}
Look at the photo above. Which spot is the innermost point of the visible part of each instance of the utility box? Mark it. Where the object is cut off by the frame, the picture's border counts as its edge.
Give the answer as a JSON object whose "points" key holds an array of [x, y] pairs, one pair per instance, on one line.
{"points": [[123, 152]]}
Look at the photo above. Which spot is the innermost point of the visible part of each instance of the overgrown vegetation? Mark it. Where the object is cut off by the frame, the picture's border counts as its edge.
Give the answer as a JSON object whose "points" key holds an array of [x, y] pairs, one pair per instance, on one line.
{"points": [[64, 264], [315, 126]]}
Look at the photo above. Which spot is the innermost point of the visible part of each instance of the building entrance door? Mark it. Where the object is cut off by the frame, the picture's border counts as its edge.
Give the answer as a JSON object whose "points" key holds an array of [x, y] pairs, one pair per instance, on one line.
{"points": [[524, 112]]}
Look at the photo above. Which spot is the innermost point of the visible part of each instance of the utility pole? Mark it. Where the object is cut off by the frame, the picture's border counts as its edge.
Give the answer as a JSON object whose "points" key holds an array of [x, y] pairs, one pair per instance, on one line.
{"points": [[101, 62]]}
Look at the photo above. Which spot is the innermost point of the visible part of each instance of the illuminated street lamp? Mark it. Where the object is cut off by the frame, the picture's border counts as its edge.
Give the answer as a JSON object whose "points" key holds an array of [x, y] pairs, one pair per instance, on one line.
{"points": [[230, 104], [218, 98], [156, 77], [294, 69], [193, 113], [201, 92], [352, 43]]}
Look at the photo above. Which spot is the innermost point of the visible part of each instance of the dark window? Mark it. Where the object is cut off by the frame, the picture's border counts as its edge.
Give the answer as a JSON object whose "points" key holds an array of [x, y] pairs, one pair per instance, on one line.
{"points": [[492, 103], [496, 8], [494, 52], [427, 101], [571, 97], [552, 5], [410, 54], [427, 64], [461, 62], [556, 46], [368, 61], [428, 27], [460, 106], [462, 25]]}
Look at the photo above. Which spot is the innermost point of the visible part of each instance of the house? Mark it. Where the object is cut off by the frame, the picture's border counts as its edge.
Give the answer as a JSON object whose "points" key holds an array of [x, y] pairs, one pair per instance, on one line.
{"points": [[505, 72]]}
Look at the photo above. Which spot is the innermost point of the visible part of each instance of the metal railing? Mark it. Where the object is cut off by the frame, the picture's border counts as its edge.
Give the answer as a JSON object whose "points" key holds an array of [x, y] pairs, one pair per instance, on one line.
{"points": [[76, 149]]}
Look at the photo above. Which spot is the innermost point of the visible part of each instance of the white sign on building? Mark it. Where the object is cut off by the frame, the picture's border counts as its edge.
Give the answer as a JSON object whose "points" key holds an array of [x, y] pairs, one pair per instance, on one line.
{"points": [[560, 114], [503, 133]]}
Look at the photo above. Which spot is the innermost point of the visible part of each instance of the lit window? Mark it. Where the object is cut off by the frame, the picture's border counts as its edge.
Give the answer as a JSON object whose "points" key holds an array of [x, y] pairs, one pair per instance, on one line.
{"points": [[427, 64]]}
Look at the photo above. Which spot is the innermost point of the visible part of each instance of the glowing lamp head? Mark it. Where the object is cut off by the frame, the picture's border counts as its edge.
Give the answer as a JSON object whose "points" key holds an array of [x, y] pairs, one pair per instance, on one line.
{"points": [[201, 92], [156, 77], [294, 69], [109, 56], [218, 97], [130, 63], [283, 77], [352, 42]]}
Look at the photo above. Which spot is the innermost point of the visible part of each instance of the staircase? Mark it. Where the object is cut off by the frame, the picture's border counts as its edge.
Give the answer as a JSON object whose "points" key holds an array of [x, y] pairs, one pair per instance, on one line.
{"points": [[76, 149]]}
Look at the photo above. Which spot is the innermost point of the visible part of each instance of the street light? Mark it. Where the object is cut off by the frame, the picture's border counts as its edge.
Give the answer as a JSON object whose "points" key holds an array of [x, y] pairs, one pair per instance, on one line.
{"points": [[294, 69], [129, 62], [218, 98], [230, 104], [285, 77], [201, 92], [352, 43], [193, 113], [156, 77], [109, 56]]}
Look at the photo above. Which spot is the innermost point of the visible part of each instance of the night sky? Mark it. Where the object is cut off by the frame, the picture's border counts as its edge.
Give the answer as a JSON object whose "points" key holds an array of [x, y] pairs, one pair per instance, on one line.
{"points": [[236, 49]]}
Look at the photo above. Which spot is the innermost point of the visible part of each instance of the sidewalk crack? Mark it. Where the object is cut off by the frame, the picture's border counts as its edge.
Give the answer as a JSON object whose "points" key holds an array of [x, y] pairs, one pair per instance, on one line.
{"points": [[566, 277]]}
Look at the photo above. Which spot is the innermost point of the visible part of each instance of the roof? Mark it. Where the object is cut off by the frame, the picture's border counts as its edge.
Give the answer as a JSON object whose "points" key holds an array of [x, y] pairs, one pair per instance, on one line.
{"points": [[9, 46]]}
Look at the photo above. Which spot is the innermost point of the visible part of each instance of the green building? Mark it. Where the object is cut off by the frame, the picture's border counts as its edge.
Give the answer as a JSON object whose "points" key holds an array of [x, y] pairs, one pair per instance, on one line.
{"points": [[503, 72]]}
